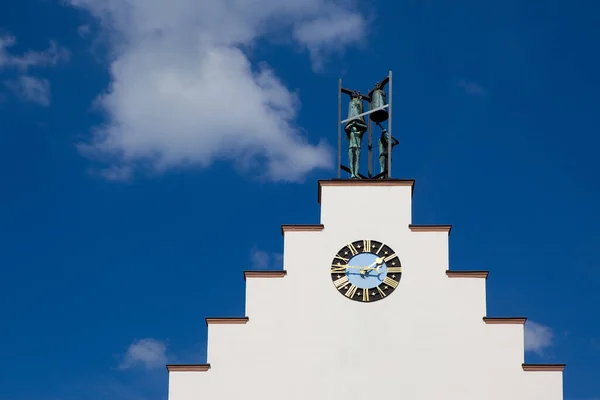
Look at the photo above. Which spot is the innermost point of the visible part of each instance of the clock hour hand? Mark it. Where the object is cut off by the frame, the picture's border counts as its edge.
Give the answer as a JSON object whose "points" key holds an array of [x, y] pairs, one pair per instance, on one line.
{"points": [[378, 262]]}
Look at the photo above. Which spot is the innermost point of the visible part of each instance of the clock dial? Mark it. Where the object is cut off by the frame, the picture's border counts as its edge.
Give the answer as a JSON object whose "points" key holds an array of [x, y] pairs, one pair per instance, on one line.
{"points": [[366, 270]]}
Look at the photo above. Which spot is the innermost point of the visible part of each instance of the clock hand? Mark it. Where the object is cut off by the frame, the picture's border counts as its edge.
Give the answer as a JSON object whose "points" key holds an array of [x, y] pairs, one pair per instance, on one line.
{"points": [[378, 262], [343, 267], [374, 266]]}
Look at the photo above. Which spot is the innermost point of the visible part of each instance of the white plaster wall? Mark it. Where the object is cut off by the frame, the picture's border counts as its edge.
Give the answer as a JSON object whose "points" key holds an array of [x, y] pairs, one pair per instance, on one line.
{"points": [[427, 340]]}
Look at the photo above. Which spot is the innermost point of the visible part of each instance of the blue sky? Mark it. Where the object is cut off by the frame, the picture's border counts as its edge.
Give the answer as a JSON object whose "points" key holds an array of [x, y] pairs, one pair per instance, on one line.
{"points": [[137, 142]]}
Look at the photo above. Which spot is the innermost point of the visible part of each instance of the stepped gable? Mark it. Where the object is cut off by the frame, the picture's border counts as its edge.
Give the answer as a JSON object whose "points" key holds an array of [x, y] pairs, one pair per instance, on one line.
{"points": [[302, 336]]}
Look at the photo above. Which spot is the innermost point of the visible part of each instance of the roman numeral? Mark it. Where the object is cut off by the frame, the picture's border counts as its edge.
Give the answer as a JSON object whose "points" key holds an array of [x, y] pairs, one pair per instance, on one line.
{"points": [[381, 292], [366, 246], [389, 258], [392, 270], [390, 282], [381, 247], [341, 258], [365, 295], [341, 282], [352, 249], [351, 291], [338, 268]]}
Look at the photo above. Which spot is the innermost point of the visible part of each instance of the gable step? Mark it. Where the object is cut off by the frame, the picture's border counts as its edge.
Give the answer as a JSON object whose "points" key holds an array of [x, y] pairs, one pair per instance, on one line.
{"points": [[264, 274], [301, 228], [365, 182], [227, 320], [544, 367], [467, 274], [188, 367], [430, 228], [505, 320]]}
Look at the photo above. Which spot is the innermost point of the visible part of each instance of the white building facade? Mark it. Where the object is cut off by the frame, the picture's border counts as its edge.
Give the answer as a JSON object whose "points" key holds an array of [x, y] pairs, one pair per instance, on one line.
{"points": [[394, 322]]}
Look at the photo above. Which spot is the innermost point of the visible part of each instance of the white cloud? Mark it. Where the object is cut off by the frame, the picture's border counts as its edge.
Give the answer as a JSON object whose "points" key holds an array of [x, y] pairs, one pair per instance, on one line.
{"points": [[150, 353], [471, 88], [184, 93], [538, 337], [329, 33], [51, 56], [28, 88], [262, 260]]}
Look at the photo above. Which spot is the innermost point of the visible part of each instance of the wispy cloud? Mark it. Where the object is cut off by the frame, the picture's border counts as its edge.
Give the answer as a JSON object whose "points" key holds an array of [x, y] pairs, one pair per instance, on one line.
{"points": [[149, 353], [116, 173], [262, 260], [29, 88], [471, 88], [126, 383], [83, 30], [51, 56], [25, 86], [538, 337], [329, 33]]}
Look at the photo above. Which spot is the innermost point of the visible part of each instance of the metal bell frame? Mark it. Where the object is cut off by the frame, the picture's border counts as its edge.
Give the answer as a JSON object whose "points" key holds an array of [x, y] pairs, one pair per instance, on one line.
{"points": [[375, 115]]}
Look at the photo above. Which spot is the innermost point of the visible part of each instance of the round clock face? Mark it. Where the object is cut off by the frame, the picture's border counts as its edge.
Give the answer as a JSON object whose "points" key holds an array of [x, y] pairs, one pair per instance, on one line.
{"points": [[366, 270]]}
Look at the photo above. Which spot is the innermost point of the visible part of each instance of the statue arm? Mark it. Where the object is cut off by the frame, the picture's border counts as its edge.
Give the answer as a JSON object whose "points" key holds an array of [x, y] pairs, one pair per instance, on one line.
{"points": [[347, 91], [380, 85], [360, 95]]}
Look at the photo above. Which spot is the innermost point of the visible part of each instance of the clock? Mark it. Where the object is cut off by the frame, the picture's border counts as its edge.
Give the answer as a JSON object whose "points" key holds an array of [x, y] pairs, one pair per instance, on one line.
{"points": [[366, 271]]}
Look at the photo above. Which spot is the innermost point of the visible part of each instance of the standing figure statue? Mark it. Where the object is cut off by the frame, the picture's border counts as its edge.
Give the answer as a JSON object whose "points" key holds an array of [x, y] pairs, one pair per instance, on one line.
{"points": [[354, 132], [383, 150]]}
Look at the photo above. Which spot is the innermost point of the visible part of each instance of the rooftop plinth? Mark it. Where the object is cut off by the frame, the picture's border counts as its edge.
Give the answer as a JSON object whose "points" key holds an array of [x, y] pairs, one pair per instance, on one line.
{"points": [[366, 182]]}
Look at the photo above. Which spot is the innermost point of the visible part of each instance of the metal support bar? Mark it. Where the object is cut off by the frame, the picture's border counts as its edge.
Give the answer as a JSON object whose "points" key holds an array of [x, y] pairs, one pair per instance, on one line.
{"points": [[339, 174], [350, 171], [370, 150], [389, 160], [387, 172], [365, 113]]}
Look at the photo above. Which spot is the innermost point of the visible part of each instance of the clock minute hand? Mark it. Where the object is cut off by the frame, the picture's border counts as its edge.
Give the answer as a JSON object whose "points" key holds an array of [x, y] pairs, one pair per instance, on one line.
{"points": [[343, 267]]}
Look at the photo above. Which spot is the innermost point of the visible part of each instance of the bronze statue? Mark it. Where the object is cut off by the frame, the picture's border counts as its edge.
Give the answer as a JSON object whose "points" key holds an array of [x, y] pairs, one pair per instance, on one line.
{"points": [[354, 132], [355, 127], [383, 150]]}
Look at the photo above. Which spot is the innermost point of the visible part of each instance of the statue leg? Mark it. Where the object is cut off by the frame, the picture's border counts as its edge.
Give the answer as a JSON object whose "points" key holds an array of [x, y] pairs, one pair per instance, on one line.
{"points": [[354, 152], [382, 158], [354, 158]]}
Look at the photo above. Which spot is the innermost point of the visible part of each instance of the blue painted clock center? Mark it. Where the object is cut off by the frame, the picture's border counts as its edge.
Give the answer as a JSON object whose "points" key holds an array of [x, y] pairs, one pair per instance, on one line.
{"points": [[364, 272]]}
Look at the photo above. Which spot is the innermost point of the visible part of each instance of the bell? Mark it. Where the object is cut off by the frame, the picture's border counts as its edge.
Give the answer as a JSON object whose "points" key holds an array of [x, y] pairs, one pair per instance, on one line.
{"points": [[378, 100], [355, 108]]}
